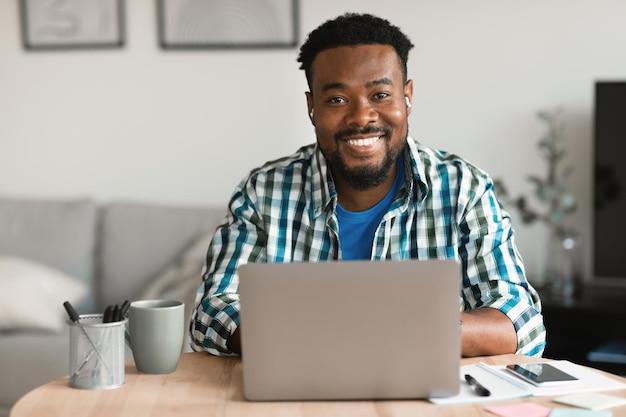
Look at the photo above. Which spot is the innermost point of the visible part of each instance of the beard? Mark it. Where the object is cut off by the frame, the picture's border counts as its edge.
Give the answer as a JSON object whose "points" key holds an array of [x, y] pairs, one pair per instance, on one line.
{"points": [[368, 176]]}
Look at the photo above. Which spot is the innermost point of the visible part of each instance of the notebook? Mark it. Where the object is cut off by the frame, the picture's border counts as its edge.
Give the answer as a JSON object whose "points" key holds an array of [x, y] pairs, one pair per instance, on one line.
{"points": [[350, 330]]}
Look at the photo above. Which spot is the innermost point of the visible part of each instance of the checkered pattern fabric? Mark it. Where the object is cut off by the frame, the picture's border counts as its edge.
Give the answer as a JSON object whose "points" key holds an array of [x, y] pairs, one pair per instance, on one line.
{"points": [[447, 208]]}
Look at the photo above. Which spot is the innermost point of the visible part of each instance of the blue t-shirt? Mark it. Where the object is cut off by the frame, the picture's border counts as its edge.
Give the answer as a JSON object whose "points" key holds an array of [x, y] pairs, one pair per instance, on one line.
{"points": [[357, 228]]}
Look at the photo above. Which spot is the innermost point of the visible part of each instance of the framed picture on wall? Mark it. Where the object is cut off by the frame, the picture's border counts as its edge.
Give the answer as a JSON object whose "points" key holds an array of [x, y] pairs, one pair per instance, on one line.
{"points": [[67, 24], [227, 24]]}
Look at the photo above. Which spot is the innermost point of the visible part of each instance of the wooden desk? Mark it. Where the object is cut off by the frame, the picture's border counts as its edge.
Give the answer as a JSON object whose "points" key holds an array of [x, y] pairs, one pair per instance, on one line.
{"points": [[205, 385]]}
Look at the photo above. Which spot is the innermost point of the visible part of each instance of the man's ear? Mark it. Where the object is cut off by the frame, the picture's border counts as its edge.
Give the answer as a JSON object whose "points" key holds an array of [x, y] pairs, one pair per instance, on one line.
{"points": [[310, 107], [408, 96]]}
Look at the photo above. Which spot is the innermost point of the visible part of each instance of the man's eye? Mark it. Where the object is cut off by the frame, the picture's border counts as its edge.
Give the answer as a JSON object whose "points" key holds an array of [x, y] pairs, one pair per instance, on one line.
{"points": [[336, 100], [380, 96]]}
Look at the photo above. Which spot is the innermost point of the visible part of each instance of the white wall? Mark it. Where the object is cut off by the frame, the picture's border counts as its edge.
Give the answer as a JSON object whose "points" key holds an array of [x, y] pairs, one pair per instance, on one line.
{"points": [[184, 127]]}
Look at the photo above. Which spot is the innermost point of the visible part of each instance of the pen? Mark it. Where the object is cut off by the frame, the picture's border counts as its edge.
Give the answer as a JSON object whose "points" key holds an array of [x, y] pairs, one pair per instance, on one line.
{"points": [[478, 388], [115, 312], [107, 317], [124, 309]]}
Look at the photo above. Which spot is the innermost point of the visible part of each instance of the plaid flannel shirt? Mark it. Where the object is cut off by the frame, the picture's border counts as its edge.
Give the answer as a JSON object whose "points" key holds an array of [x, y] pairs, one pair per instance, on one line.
{"points": [[447, 208]]}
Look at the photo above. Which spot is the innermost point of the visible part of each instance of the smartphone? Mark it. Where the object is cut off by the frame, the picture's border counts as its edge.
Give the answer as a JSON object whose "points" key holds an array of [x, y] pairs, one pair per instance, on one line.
{"points": [[541, 374]]}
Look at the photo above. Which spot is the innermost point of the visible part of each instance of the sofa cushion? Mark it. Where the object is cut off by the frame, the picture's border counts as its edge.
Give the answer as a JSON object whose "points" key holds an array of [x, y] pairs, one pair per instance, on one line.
{"points": [[32, 295], [58, 233], [139, 241]]}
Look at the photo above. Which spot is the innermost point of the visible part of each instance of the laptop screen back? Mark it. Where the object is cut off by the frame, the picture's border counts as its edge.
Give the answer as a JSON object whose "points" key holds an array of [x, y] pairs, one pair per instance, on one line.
{"points": [[350, 330]]}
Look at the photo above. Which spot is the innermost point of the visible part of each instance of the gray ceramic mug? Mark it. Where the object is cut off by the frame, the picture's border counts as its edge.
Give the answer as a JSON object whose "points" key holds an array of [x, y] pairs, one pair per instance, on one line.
{"points": [[155, 334]]}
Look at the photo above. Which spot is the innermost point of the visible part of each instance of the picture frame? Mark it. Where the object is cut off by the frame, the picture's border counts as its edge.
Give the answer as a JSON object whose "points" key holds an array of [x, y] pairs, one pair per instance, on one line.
{"points": [[228, 24], [72, 24]]}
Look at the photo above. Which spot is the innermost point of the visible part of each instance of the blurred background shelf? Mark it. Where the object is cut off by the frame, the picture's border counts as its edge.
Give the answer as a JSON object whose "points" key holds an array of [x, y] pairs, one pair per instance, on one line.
{"points": [[581, 330]]}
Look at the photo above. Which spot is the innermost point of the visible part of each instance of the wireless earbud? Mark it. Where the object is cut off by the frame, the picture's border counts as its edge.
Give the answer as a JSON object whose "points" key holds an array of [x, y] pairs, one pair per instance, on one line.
{"points": [[312, 112], [408, 103]]}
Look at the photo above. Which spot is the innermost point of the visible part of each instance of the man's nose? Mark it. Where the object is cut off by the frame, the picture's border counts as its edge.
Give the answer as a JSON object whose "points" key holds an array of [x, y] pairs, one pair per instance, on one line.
{"points": [[361, 113]]}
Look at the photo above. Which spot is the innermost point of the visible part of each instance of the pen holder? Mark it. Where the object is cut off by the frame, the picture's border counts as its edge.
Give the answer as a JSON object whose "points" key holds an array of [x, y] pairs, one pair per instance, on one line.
{"points": [[96, 353]]}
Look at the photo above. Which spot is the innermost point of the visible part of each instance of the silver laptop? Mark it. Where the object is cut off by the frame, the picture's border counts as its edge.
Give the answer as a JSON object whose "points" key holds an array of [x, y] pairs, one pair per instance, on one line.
{"points": [[350, 330]]}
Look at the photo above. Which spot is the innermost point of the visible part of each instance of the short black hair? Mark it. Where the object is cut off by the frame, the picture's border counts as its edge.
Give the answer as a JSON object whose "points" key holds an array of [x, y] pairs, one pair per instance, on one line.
{"points": [[353, 29]]}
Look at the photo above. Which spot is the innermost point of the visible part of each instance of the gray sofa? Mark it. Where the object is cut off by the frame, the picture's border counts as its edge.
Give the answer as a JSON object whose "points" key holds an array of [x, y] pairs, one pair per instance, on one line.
{"points": [[117, 250]]}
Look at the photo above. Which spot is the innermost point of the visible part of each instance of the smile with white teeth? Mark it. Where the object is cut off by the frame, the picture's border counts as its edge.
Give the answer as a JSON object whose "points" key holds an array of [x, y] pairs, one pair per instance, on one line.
{"points": [[364, 142]]}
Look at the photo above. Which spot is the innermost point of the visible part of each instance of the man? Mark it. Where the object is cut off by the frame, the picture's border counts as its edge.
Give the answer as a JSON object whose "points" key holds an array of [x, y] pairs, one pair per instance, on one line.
{"points": [[367, 190]]}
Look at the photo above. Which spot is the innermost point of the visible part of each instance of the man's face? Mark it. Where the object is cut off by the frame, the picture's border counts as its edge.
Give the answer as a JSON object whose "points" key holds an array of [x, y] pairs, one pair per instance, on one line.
{"points": [[360, 111]]}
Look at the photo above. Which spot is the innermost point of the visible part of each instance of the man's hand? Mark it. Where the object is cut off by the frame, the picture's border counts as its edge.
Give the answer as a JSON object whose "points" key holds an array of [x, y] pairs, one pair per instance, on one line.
{"points": [[234, 343]]}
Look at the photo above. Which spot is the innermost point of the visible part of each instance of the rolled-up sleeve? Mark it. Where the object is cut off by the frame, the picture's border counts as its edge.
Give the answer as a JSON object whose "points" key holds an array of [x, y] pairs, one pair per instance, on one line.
{"points": [[239, 240], [494, 274]]}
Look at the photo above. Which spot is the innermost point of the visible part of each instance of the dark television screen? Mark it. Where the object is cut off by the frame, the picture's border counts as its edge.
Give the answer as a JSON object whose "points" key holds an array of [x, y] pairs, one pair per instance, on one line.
{"points": [[610, 180]]}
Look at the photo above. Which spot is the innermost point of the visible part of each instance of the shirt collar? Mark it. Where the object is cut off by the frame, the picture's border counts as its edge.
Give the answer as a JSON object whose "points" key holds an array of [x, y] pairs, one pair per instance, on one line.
{"points": [[324, 194], [417, 164]]}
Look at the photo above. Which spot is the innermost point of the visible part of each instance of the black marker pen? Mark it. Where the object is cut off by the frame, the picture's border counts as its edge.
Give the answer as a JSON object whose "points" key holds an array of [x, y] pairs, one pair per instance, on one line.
{"points": [[478, 388]]}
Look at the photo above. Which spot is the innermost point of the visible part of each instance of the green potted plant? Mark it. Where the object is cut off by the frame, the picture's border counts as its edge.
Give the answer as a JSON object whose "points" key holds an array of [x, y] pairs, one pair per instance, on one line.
{"points": [[562, 272]]}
